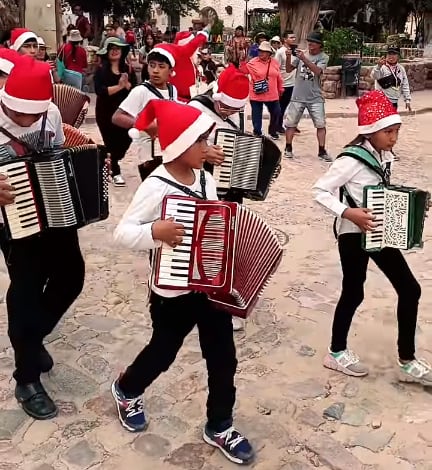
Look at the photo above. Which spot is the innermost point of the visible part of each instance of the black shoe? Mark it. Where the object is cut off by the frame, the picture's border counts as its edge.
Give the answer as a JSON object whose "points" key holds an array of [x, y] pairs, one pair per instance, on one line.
{"points": [[281, 131], [46, 362], [35, 401], [274, 136]]}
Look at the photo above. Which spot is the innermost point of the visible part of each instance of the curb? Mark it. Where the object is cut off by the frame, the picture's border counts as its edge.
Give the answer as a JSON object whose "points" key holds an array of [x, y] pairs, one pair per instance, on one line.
{"points": [[91, 119]]}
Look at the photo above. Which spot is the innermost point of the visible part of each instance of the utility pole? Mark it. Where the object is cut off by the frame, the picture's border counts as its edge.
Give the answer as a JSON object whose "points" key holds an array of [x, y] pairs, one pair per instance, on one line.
{"points": [[246, 17]]}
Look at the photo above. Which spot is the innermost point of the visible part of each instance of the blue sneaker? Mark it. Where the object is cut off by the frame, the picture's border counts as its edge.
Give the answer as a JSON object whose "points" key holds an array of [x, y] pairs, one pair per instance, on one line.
{"points": [[130, 410], [232, 444]]}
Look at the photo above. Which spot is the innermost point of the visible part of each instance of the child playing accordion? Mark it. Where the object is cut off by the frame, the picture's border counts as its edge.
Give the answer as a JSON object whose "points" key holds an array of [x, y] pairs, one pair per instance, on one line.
{"points": [[379, 125], [175, 313]]}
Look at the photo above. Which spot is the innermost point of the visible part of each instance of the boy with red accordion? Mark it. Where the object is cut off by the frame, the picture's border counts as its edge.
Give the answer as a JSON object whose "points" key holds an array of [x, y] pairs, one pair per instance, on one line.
{"points": [[175, 313]]}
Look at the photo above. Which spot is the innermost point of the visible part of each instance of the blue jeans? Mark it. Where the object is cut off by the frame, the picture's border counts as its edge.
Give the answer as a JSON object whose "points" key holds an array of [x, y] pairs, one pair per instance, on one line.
{"points": [[257, 112]]}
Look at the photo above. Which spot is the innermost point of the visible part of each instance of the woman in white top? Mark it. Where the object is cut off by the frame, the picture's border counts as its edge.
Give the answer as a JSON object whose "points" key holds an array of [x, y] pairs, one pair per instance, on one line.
{"points": [[379, 124]]}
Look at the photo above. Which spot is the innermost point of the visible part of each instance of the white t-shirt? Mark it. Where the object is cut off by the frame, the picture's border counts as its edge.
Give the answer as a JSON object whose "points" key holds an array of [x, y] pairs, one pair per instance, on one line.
{"points": [[135, 228], [135, 102], [288, 78]]}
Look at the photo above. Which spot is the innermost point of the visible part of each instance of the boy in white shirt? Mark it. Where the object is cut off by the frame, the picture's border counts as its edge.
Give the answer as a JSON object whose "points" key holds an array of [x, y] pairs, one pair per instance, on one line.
{"points": [[366, 161], [175, 313]]}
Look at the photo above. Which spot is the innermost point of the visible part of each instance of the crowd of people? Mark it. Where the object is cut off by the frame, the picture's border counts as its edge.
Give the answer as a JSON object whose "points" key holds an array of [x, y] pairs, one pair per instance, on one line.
{"points": [[174, 130]]}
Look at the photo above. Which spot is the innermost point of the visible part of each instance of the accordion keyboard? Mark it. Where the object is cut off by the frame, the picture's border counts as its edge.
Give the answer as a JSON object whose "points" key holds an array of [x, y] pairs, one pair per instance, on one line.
{"points": [[375, 201], [174, 262], [22, 214], [222, 173]]}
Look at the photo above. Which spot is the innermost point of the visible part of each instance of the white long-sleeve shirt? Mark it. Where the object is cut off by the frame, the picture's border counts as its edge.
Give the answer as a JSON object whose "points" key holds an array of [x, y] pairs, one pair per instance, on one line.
{"points": [[393, 93], [135, 228], [354, 175]]}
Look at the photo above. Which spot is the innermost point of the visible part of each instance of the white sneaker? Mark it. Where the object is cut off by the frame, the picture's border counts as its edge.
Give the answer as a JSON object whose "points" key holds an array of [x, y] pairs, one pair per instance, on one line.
{"points": [[238, 324], [346, 362], [118, 180]]}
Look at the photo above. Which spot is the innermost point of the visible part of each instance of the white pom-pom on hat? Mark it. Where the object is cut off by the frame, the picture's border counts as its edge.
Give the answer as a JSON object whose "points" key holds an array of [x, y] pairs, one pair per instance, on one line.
{"points": [[134, 133]]}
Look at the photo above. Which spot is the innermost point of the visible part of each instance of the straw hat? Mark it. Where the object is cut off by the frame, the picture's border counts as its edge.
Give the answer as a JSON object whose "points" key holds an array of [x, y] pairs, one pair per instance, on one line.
{"points": [[75, 36], [265, 47]]}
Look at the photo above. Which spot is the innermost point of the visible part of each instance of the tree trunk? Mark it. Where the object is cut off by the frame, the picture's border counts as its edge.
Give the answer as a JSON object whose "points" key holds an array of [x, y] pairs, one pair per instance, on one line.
{"points": [[97, 21], [300, 16]]}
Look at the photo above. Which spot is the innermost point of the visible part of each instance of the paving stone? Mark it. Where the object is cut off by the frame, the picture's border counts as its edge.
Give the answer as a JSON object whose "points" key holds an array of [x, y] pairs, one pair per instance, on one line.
{"points": [[102, 405], [83, 335], [350, 390], [79, 428], [355, 417], [39, 432], [152, 445], [332, 453], [96, 366], [113, 438], [6, 362], [44, 466], [190, 456], [307, 389], [99, 323], [415, 453], [82, 455], [418, 414], [10, 422], [334, 411], [296, 465], [310, 418], [157, 405], [307, 351], [66, 408], [170, 425], [375, 440], [69, 381], [4, 342]]}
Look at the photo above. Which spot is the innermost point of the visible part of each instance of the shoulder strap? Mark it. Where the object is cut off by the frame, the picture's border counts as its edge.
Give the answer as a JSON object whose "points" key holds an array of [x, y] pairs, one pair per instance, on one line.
{"points": [[25, 145], [185, 189], [156, 92], [363, 155]]}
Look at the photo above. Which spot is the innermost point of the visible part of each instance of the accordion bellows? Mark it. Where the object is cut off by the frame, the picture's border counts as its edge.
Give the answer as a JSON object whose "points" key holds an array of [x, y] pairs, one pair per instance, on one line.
{"points": [[72, 103], [228, 251]]}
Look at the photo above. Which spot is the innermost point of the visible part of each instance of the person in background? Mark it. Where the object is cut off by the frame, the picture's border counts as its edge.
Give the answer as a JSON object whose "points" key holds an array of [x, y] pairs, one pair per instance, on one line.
{"points": [[113, 82], [237, 49], [109, 32], [253, 49], [208, 66], [82, 24], [73, 54], [275, 43], [283, 56], [24, 41], [119, 31], [391, 78], [43, 56], [264, 69], [149, 43]]}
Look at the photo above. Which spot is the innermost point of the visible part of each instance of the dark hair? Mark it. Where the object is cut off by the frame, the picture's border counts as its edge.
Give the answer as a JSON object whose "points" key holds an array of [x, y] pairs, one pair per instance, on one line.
{"points": [[357, 140], [239, 28], [287, 33], [158, 57], [123, 66], [146, 46]]}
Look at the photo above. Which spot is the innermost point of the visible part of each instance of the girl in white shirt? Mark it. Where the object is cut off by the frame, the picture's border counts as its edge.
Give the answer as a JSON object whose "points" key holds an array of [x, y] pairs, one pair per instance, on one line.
{"points": [[175, 313], [379, 124]]}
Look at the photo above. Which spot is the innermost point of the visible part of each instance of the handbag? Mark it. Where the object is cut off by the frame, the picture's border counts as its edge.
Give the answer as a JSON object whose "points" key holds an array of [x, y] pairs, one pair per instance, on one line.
{"points": [[389, 81], [72, 78], [262, 86]]}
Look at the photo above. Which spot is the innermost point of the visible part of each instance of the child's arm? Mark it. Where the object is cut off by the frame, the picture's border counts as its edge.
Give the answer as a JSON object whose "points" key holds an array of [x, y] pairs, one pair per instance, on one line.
{"points": [[405, 87]]}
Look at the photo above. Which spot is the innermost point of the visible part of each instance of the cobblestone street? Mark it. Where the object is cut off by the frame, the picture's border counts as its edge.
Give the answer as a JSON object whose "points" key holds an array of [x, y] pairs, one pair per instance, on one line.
{"points": [[282, 386]]}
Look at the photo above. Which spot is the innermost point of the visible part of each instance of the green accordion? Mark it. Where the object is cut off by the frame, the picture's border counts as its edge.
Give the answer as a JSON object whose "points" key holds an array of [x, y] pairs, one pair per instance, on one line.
{"points": [[399, 213]]}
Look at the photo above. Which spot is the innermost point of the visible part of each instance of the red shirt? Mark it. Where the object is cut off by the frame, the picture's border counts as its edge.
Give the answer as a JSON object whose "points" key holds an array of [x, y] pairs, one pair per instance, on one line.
{"points": [[76, 63]]}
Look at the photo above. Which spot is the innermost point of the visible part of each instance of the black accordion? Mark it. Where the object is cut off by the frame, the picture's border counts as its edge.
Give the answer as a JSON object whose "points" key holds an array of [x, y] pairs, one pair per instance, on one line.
{"points": [[250, 166], [57, 188]]}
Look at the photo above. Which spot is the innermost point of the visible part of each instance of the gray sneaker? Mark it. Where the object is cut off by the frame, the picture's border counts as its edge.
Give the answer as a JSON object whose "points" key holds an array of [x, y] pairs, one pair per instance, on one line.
{"points": [[346, 362], [417, 371], [288, 154], [325, 156]]}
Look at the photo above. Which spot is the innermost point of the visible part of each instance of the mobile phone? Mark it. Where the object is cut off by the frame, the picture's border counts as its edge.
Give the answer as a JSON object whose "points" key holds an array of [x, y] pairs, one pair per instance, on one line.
{"points": [[52, 56], [294, 50]]}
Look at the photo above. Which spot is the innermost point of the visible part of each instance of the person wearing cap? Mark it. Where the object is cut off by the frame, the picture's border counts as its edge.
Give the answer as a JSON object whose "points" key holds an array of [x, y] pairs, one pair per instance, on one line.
{"points": [[208, 65], [275, 43], [46, 271], [378, 127], [265, 88], [24, 42], [391, 78], [113, 83], [73, 54], [307, 93], [176, 312], [253, 49]]}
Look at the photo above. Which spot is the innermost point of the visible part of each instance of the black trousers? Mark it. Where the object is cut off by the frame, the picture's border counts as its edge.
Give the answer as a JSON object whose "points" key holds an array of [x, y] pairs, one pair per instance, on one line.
{"points": [[47, 275], [284, 101], [354, 261], [173, 319]]}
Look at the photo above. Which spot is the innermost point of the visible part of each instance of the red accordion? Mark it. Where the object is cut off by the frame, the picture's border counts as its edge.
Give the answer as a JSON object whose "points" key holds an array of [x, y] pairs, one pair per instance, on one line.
{"points": [[228, 252]]}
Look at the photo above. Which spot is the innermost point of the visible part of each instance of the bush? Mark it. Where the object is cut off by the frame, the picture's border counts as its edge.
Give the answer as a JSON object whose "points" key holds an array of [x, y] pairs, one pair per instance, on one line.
{"points": [[270, 27], [340, 42]]}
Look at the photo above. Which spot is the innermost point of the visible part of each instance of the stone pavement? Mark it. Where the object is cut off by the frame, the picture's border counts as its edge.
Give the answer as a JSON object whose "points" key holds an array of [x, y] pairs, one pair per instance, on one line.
{"points": [[298, 415]]}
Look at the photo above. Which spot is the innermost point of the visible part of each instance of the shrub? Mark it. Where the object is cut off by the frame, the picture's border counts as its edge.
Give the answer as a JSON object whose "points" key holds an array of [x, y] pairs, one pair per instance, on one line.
{"points": [[340, 42]]}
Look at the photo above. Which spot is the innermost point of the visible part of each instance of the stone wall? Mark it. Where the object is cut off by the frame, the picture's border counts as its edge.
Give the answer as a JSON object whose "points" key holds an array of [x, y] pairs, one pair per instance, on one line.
{"points": [[419, 75]]}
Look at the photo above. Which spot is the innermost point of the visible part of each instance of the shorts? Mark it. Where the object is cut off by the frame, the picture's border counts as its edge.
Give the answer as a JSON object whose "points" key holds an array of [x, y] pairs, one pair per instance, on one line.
{"points": [[296, 109]]}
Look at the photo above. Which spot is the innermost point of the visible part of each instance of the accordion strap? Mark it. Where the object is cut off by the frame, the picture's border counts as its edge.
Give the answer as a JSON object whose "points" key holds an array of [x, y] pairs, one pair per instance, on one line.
{"points": [[185, 189], [25, 145]]}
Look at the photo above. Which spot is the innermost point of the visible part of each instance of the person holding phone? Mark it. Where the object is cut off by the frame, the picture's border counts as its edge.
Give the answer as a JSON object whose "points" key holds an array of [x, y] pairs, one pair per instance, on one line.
{"points": [[391, 78]]}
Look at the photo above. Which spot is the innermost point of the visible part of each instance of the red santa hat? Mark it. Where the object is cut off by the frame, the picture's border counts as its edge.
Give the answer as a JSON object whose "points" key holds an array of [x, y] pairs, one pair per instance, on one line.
{"points": [[19, 36], [168, 51], [175, 135], [183, 37], [376, 112], [19, 96], [8, 58], [232, 88]]}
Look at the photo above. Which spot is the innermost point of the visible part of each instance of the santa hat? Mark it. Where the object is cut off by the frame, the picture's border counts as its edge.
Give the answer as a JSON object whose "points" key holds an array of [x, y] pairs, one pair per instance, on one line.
{"points": [[183, 37], [19, 36], [175, 135], [168, 51], [22, 98], [376, 112], [232, 88], [8, 58]]}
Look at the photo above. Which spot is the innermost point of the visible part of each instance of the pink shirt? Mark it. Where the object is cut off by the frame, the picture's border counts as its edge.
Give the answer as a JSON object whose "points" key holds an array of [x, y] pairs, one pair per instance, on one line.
{"points": [[257, 69]]}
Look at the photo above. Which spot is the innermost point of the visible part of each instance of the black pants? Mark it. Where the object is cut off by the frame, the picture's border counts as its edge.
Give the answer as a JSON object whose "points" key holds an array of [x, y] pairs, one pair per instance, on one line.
{"points": [[354, 261], [173, 319], [47, 275], [284, 102]]}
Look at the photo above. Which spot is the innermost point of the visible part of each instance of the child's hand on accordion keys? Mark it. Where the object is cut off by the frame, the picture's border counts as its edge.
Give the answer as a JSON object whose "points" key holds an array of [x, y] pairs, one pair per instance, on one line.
{"points": [[362, 217], [168, 231], [215, 155], [6, 195]]}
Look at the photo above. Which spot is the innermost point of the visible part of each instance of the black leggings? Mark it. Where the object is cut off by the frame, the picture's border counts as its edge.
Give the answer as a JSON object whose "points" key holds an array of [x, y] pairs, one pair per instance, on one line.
{"points": [[354, 261]]}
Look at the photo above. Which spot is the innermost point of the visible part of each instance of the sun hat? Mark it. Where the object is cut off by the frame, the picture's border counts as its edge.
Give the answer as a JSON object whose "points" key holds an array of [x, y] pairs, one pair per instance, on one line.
{"points": [[275, 39], [111, 42], [75, 36], [265, 47]]}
